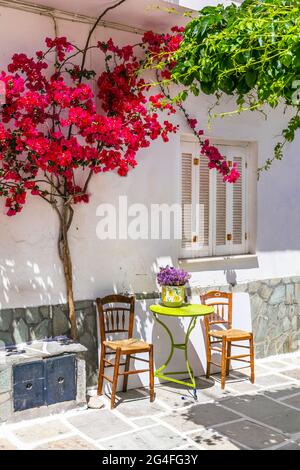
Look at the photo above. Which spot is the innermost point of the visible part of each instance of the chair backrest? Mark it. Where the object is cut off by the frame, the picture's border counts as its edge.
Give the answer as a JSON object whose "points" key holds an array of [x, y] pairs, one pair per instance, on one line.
{"points": [[222, 303], [116, 315]]}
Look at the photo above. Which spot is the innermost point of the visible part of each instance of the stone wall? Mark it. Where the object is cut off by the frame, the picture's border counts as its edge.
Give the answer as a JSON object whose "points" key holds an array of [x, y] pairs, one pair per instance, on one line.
{"points": [[35, 323], [275, 314], [275, 309]]}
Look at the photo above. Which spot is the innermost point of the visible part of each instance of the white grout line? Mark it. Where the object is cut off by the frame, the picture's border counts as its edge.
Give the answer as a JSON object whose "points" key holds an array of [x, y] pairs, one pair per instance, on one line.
{"points": [[283, 404], [81, 434], [13, 439], [222, 424], [126, 420], [286, 397], [31, 422], [279, 446], [125, 433], [176, 431], [49, 440], [45, 419]]}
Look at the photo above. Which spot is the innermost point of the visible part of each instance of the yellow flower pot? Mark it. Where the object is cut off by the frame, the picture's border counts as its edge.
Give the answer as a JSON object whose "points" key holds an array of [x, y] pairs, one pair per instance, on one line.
{"points": [[173, 296]]}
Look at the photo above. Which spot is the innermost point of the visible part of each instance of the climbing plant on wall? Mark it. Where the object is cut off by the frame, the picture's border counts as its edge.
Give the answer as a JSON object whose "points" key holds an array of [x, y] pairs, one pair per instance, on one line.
{"points": [[251, 51]]}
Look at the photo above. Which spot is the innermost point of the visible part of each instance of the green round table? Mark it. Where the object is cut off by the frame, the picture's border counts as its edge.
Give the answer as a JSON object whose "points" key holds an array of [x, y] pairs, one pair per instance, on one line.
{"points": [[192, 311]]}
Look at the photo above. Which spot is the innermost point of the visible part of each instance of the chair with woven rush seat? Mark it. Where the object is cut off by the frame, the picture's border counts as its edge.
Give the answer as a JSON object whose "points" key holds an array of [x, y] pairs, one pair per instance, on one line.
{"points": [[116, 315], [222, 303]]}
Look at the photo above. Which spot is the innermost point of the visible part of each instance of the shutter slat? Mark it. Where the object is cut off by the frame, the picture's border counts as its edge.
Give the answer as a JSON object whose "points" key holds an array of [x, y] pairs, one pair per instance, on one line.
{"points": [[237, 216], [204, 202], [186, 199], [220, 210]]}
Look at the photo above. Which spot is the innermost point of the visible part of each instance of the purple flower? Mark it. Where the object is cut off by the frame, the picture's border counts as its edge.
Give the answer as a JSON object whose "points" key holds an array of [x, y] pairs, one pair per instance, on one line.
{"points": [[170, 276]]}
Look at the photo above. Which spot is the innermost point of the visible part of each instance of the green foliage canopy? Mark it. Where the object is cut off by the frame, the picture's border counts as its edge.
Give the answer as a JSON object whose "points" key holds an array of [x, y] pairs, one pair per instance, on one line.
{"points": [[251, 51]]}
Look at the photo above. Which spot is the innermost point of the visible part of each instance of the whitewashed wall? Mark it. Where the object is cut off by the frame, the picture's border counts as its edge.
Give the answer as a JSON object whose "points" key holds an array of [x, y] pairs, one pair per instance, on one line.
{"points": [[30, 271], [29, 267]]}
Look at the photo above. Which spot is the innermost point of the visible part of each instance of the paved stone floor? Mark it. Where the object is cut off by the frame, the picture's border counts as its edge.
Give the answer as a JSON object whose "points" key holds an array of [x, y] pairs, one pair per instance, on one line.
{"points": [[245, 416]]}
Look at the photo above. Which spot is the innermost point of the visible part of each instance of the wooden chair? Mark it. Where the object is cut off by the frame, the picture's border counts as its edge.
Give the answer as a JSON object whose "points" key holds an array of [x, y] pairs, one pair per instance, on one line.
{"points": [[116, 315], [222, 303]]}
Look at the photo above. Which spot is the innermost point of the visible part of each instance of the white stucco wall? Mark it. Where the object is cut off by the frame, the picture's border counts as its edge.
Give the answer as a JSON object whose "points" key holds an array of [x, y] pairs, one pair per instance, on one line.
{"points": [[30, 271], [199, 4]]}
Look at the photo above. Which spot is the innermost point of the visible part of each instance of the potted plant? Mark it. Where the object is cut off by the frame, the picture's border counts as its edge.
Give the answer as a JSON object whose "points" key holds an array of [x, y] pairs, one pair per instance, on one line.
{"points": [[172, 282]]}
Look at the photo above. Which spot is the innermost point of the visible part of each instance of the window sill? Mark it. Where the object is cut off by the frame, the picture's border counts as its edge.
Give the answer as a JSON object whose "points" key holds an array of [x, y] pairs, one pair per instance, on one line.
{"points": [[248, 261]]}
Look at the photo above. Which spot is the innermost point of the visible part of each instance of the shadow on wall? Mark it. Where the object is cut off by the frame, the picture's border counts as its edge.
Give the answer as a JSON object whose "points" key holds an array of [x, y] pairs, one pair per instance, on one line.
{"points": [[30, 283], [278, 211]]}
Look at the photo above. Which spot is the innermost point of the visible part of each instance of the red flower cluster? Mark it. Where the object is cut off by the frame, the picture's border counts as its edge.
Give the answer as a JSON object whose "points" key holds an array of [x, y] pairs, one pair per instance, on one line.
{"points": [[162, 45], [122, 93], [60, 45], [50, 127], [216, 160]]}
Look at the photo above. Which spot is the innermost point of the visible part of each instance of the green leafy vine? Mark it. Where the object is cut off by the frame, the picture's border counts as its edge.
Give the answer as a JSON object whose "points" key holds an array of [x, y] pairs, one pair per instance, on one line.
{"points": [[250, 51]]}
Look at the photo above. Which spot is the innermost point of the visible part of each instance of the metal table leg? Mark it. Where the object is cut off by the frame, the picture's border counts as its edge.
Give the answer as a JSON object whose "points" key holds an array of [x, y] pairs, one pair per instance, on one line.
{"points": [[184, 347]]}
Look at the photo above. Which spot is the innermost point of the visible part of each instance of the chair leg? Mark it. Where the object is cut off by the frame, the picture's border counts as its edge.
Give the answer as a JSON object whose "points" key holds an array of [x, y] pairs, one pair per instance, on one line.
{"points": [[228, 361], [151, 373], [101, 370], [252, 359], [208, 357], [224, 361], [125, 381], [115, 379]]}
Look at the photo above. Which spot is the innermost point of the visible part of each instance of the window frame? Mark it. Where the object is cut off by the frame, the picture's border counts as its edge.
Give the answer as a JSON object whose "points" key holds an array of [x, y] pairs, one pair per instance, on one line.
{"points": [[248, 226]]}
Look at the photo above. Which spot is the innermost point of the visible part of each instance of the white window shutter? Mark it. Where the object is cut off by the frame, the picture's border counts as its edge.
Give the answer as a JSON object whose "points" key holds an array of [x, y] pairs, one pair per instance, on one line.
{"points": [[204, 203], [186, 199], [239, 191], [237, 212], [221, 213], [195, 200], [214, 221]]}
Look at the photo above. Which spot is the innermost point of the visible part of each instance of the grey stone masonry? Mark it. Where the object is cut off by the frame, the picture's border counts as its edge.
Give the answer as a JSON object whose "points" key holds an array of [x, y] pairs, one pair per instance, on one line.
{"points": [[275, 310], [21, 325]]}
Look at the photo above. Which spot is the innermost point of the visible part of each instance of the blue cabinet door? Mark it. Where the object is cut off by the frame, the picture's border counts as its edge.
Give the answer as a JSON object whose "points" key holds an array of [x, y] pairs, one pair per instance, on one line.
{"points": [[29, 385], [60, 379]]}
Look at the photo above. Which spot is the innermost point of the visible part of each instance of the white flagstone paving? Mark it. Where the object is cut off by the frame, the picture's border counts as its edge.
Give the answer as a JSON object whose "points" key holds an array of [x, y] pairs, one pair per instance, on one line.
{"points": [[261, 416]]}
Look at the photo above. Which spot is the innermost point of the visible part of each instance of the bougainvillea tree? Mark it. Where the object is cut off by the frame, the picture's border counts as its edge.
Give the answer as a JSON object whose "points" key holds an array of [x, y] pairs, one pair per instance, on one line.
{"points": [[53, 139]]}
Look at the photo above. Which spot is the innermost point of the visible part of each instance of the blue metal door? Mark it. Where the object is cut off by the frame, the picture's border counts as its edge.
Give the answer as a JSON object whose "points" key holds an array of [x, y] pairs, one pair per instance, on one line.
{"points": [[29, 384], [60, 377]]}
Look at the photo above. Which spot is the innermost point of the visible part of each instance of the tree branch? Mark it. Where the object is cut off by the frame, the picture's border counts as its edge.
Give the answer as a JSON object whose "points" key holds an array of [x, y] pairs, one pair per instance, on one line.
{"points": [[87, 182], [92, 31]]}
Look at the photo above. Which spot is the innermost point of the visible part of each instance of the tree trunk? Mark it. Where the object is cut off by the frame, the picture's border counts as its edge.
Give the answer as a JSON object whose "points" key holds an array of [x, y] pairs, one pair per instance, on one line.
{"points": [[65, 219]]}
